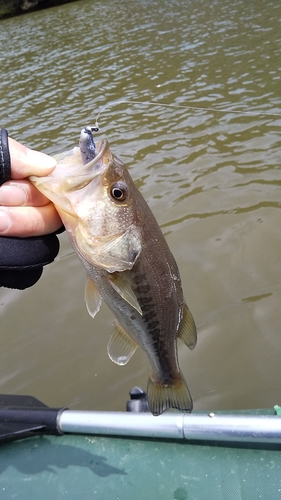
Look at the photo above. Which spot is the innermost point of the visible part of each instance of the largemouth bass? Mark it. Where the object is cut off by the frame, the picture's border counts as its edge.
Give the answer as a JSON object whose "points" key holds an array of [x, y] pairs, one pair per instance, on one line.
{"points": [[128, 263]]}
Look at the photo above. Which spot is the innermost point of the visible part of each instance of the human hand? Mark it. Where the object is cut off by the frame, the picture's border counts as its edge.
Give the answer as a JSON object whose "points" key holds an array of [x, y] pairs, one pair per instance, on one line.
{"points": [[24, 211], [28, 220]]}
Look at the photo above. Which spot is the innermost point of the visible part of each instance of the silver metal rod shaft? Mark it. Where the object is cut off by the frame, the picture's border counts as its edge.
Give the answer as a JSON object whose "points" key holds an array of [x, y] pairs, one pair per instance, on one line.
{"points": [[212, 427]]}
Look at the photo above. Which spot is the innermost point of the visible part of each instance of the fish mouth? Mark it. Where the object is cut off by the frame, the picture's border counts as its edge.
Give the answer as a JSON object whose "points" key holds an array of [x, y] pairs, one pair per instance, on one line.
{"points": [[72, 174], [101, 161], [102, 147]]}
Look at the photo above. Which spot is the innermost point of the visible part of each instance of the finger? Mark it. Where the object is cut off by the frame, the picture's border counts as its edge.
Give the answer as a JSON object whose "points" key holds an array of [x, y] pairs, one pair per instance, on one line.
{"points": [[26, 161], [21, 193], [29, 221]]}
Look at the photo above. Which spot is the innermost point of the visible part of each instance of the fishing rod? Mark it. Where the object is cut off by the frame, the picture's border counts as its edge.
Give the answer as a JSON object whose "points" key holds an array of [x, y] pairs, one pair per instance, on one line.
{"points": [[25, 416]]}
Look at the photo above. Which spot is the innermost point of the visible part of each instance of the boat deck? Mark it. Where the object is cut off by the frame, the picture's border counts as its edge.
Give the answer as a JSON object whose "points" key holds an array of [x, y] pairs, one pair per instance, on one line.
{"points": [[87, 467]]}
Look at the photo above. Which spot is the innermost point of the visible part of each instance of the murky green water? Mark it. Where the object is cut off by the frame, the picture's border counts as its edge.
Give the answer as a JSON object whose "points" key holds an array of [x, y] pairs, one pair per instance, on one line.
{"points": [[212, 179]]}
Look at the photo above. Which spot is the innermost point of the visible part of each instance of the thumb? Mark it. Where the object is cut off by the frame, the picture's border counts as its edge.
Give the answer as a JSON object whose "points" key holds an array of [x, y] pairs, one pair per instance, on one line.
{"points": [[26, 161]]}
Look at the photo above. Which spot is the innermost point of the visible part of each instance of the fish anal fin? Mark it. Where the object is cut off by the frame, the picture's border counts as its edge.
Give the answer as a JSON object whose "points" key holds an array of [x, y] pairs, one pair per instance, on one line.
{"points": [[187, 332], [92, 298], [121, 346], [162, 396], [125, 291]]}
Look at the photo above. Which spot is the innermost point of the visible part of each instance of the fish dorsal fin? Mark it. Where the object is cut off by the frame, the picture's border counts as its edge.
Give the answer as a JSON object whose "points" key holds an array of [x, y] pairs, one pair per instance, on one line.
{"points": [[121, 346], [124, 290], [92, 297], [114, 253], [187, 332]]}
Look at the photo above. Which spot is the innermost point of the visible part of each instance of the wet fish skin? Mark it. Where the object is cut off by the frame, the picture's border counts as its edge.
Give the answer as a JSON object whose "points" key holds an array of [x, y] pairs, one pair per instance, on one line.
{"points": [[155, 282], [129, 266]]}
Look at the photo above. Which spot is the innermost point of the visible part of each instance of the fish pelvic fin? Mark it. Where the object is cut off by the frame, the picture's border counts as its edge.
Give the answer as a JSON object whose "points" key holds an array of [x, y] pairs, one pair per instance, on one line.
{"points": [[92, 298], [124, 290], [162, 396], [187, 332], [121, 346]]}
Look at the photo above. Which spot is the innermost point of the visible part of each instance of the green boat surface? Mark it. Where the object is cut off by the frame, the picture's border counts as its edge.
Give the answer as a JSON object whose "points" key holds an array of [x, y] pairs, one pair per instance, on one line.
{"points": [[89, 466]]}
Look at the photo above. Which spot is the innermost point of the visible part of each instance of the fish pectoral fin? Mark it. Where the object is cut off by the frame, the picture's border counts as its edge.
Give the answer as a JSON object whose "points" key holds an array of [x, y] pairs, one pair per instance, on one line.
{"points": [[121, 346], [92, 297], [124, 290], [119, 253], [187, 332]]}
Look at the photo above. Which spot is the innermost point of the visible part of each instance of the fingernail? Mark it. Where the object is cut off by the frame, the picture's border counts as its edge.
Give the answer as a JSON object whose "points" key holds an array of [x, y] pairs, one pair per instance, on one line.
{"points": [[5, 221], [12, 195]]}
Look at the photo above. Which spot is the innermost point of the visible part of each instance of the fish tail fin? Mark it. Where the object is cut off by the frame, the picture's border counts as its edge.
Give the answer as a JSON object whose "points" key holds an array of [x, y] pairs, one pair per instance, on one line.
{"points": [[162, 396]]}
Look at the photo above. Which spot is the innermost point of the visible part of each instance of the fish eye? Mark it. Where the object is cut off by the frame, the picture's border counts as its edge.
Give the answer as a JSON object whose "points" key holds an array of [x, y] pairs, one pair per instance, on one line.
{"points": [[119, 192]]}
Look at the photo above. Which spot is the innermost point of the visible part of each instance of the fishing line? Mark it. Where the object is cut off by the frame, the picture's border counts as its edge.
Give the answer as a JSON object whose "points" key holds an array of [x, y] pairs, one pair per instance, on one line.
{"points": [[182, 106]]}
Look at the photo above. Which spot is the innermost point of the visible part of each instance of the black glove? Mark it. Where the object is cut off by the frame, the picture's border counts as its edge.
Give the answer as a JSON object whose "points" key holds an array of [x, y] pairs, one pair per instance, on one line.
{"points": [[22, 259]]}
